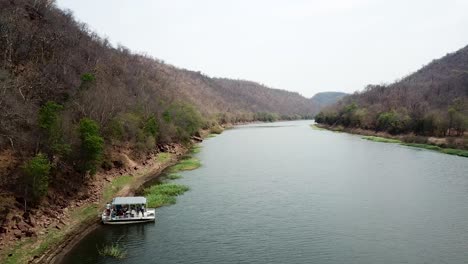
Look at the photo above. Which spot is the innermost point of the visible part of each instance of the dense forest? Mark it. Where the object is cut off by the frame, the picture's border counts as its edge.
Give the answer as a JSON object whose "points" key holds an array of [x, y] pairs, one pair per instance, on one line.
{"points": [[67, 96], [430, 102]]}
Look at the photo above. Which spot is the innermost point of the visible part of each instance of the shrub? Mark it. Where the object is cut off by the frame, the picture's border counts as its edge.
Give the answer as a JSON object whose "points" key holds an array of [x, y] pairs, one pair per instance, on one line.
{"points": [[216, 129], [151, 126], [92, 146], [87, 79], [185, 118], [50, 123], [133, 127], [36, 177]]}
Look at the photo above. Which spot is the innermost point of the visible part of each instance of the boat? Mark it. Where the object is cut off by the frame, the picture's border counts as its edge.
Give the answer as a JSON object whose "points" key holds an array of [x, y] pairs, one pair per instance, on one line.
{"points": [[128, 210]]}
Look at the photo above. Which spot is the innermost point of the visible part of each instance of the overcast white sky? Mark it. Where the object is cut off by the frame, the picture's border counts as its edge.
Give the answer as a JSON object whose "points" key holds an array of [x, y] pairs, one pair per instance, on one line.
{"points": [[297, 45]]}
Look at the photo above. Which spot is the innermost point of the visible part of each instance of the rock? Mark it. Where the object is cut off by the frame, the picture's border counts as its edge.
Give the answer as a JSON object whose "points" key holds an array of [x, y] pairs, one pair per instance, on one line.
{"points": [[16, 218], [17, 234], [58, 227], [22, 226], [31, 233], [3, 229], [32, 221], [135, 168]]}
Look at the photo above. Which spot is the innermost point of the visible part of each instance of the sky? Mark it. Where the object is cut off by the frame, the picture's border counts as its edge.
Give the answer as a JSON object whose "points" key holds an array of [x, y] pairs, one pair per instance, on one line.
{"points": [[307, 46]]}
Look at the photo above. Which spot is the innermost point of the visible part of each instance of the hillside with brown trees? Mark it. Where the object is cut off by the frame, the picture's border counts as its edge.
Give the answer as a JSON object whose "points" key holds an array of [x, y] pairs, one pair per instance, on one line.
{"points": [[68, 98], [430, 102]]}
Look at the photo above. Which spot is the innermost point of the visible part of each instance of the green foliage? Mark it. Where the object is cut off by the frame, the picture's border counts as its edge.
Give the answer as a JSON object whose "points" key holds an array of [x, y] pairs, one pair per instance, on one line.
{"points": [[315, 127], [92, 146], [216, 129], [453, 121], [49, 115], [381, 139], [114, 250], [163, 194], [87, 79], [266, 117], [50, 124], [36, 176], [151, 126], [185, 119], [133, 127], [164, 157], [186, 164], [195, 149], [173, 176], [116, 185]]}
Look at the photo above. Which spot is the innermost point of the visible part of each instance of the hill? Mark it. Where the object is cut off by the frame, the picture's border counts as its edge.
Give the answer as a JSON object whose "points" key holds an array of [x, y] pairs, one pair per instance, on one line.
{"points": [[323, 99], [69, 100], [433, 101]]}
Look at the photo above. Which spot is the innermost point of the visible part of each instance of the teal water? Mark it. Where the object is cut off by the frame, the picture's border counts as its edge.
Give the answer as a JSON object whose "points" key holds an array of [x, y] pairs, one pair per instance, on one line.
{"points": [[285, 193]]}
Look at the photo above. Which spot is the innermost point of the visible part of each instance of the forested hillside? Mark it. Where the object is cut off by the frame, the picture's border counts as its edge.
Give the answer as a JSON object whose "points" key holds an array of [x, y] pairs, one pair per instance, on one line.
{"points": [[68, 97], [430, 102], [323, 99]]}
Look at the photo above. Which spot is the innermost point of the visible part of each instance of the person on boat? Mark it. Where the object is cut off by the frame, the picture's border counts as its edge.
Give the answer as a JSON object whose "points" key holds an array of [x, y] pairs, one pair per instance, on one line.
{"points": [[143, 210], [108, 209]]}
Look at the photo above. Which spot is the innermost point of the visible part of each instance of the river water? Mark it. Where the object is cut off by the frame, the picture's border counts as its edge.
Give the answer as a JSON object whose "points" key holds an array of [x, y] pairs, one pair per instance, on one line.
{"points": [[285, 193]]}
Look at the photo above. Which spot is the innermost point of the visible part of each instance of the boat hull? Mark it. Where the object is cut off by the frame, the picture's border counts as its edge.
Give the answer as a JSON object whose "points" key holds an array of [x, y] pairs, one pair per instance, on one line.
{"points": [[150, 216], [126, 221]]}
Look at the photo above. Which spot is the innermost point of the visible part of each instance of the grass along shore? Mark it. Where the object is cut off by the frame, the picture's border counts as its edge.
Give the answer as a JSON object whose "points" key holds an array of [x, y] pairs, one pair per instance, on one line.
{"points": [[450, 151], [382, 139]]}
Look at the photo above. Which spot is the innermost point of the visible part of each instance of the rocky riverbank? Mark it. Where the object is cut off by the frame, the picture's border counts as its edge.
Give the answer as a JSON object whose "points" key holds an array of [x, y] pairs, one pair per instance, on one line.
{"points": [[41, 235]]}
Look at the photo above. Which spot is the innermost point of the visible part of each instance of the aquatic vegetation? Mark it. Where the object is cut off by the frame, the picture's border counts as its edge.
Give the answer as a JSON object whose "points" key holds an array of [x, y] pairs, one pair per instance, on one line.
{"points": [[450, 151], [113, 250], [164, 194], [315, 127], [195, 149], [186, 164], [216, 129], [173, 176], [381, 139]]}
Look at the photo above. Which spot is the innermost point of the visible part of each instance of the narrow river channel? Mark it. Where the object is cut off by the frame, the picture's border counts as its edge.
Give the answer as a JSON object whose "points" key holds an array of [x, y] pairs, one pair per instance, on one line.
{"points": [[285, 193]]}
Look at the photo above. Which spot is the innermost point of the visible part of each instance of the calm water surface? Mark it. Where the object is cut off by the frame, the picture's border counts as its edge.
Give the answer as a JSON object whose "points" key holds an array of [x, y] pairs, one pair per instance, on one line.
{"points": [[285, 193]]}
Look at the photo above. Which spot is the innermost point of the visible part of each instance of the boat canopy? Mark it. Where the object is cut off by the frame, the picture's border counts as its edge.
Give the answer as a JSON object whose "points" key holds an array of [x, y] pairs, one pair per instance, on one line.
{"points": [[129, 200]]}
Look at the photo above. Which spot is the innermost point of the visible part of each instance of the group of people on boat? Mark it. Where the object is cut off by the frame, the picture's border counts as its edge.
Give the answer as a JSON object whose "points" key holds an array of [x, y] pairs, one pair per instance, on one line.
{"points": [[124, 211]]}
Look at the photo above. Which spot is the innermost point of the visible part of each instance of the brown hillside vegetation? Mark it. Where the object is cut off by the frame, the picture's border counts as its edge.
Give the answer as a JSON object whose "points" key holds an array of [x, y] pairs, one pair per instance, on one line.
{"points": [[69, 100], [430, 102]]}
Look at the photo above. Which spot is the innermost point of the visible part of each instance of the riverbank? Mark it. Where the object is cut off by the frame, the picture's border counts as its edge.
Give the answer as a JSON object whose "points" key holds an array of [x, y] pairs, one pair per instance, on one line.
{"points": [[55, 235], [430, 143]]}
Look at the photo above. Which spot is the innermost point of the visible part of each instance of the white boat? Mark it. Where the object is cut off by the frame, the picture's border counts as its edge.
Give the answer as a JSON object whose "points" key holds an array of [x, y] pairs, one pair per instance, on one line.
{"points": [[128, 210]]}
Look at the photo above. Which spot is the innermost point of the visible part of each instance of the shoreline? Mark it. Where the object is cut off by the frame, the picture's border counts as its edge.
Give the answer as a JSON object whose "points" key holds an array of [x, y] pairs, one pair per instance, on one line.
{"points": [[397, 139], [56, 255], [79, 218]]}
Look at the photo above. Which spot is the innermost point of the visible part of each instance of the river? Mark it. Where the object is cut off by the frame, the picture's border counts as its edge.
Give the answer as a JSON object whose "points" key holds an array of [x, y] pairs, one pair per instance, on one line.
{"points": [[286, 193]]}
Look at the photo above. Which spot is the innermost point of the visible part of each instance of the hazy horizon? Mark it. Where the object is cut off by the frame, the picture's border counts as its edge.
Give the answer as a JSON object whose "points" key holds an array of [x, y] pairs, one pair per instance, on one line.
{"points": [[302, 46]]}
